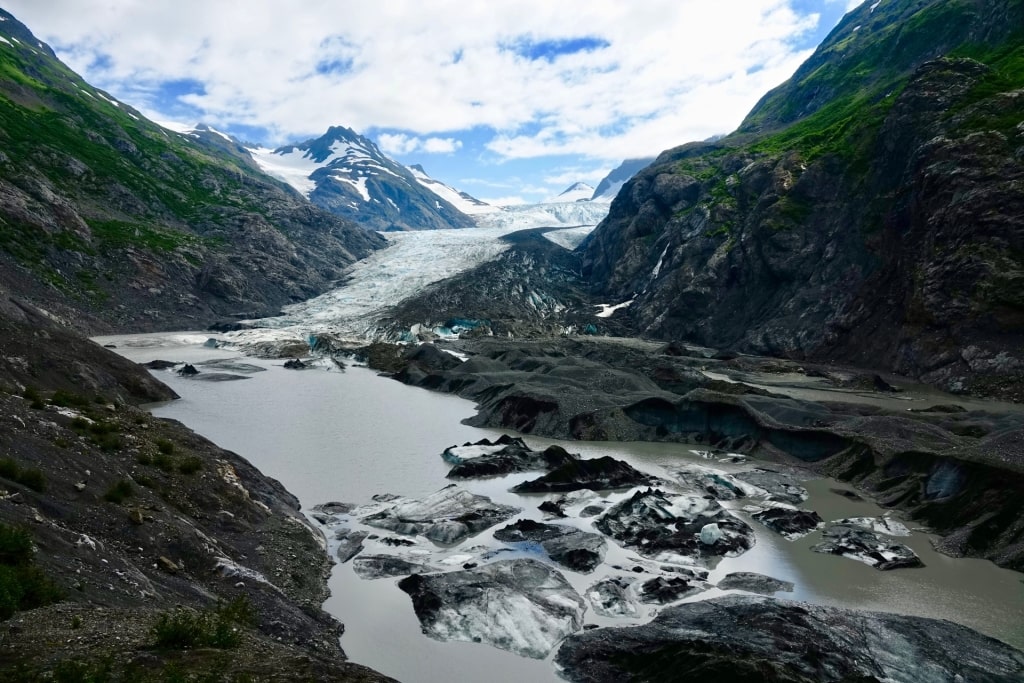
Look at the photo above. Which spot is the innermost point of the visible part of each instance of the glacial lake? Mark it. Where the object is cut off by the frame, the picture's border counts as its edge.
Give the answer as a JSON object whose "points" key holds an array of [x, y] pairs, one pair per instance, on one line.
{"points": [[329, 435]]}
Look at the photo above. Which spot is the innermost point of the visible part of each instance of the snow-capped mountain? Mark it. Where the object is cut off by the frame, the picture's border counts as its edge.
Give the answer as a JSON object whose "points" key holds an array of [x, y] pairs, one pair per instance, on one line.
{"points": [[613, 182], [346, 174], [577, 192], [464, 202]]}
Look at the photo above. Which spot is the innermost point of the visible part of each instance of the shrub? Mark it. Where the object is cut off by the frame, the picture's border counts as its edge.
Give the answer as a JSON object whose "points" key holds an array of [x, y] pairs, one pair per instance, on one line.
{"points": [[68, 399], [164, 462], [9, 469], [32, 396], [22, 584], [119, 492], [190, 465], [165, 446], [31, 477], [183, 628]]}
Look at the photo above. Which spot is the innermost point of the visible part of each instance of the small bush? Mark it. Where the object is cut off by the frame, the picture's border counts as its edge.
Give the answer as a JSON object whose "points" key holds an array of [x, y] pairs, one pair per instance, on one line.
{"points": [[76, 621], [9, 469], [164, 462], [144, 459], [31, 477], [35, 401], [67, 399], [15, 546], [184, 628], [143, 480], [22, 584], [165, 446], [119, 492], [190, 465], [108, 442]]}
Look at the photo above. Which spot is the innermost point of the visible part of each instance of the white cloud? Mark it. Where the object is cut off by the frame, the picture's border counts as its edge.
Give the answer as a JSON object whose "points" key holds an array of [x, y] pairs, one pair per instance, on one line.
{"points": [[401, 144], [660, 73]]}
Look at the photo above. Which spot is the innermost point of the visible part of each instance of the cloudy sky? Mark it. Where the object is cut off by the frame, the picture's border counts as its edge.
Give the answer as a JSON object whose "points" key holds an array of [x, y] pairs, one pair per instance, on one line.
{"points": [[510, 100]]}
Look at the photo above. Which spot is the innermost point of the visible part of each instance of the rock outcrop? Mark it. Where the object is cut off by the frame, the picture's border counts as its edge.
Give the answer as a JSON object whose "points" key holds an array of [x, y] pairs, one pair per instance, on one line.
{"points": [[758, 639]]}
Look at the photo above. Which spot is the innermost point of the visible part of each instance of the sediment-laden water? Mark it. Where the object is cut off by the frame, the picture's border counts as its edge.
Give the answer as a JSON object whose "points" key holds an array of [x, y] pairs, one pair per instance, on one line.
{"points": [[345, 436]]}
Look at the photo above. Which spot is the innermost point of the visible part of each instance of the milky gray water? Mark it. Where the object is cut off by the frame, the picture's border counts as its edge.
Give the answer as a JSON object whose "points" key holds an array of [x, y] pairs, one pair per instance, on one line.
{"points": [[345, 436]]}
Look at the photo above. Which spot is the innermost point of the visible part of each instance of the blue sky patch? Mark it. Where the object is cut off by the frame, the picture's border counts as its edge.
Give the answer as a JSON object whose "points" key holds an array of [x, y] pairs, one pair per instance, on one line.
{"points": [[326, 67], [550, 50]]}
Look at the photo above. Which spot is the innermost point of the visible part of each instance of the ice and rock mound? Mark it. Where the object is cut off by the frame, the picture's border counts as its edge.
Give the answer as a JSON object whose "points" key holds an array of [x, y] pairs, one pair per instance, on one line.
{"points": [[523, 606], [479, 460], [667, 527], [790, 523], [879, 525], [570, 547], [446, 516], [614, 597], [864, 546], [752, 582], [597, 474]]}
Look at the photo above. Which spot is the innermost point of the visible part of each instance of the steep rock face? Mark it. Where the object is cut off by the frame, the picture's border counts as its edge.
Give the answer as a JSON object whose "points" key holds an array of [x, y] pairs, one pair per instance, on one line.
{"points": [[869, 219], [112, 221]]}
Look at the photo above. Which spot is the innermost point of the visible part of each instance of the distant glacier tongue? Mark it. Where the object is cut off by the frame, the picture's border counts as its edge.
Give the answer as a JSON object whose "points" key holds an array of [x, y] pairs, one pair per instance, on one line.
{"points": [[412, 261]]}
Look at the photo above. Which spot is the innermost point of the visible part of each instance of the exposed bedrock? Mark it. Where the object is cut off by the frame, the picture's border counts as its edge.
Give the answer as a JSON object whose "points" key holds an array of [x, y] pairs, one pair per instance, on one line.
{"points": [[754, 639]]}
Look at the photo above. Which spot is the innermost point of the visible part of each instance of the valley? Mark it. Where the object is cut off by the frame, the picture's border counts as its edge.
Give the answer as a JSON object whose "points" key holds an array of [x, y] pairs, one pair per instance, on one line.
{"points": [[750, 409]]}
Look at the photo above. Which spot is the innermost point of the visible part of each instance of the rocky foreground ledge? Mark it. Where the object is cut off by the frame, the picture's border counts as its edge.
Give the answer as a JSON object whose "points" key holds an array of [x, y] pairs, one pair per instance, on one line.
{"points": [[957, 470], [750, 639], [131, 549]]}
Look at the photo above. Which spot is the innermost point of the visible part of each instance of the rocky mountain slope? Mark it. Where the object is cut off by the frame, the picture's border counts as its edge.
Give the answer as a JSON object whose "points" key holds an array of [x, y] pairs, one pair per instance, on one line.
{"points": [[110, 221], [870, 210], [144, 552], [347, 175]]}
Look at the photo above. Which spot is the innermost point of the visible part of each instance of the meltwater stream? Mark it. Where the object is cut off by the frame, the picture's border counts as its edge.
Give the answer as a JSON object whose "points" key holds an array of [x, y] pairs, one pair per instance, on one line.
{"points": [[345, 436]]}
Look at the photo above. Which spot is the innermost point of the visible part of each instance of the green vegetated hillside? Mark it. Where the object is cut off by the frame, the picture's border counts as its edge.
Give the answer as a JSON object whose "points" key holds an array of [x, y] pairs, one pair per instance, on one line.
{"points": [[112, 221], [869, 210]]}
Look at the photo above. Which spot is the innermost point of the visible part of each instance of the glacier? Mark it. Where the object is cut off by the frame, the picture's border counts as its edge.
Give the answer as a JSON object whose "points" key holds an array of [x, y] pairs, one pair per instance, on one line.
{"points": [[412, 261]]}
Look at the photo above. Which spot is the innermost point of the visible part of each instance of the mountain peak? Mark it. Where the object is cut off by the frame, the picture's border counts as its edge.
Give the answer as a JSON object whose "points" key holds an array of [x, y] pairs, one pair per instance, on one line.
{"points": [[577, 192]]}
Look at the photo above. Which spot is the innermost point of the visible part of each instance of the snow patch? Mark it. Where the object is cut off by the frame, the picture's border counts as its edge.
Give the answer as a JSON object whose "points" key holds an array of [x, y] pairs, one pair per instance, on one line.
{"points": [[358, 183], [293, 169], [2, 39], [608, 309]]}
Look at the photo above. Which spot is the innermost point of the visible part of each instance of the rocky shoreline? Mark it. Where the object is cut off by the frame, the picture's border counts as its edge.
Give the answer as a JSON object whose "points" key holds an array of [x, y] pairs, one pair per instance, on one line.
{"points": [[161, 554]]}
